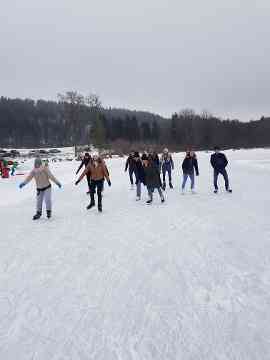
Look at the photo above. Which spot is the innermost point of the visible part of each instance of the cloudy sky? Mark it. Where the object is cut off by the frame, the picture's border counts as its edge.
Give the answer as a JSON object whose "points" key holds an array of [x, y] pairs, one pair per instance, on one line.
{"points": [[156, 55]]}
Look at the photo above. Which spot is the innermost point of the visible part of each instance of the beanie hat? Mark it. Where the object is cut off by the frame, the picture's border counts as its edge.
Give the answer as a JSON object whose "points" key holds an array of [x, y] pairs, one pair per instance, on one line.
{"points": [[38, 162], [136, 154], [144, 157]]}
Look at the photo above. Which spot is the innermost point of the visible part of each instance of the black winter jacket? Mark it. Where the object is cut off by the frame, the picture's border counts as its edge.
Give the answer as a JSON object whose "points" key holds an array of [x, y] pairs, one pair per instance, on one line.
{"points": [[189, 165], [130, 163], [152, 177], [219, 161]]}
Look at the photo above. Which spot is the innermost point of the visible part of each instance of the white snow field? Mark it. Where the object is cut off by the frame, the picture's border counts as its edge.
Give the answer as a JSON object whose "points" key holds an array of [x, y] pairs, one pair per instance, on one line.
{"points": [[188, 279]]}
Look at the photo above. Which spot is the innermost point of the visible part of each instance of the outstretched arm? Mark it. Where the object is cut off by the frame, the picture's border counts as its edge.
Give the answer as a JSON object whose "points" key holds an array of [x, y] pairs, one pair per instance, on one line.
{"points": [[52, 177], [86, 171], [28, 178], [79, 168]]}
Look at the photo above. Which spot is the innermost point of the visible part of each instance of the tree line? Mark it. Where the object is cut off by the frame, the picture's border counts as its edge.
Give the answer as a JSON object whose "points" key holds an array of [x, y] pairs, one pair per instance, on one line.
{"points": [[81, 120]]}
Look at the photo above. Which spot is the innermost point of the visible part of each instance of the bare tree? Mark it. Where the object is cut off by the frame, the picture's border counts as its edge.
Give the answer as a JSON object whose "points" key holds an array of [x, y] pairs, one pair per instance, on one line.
{"points": [[72, 101]]}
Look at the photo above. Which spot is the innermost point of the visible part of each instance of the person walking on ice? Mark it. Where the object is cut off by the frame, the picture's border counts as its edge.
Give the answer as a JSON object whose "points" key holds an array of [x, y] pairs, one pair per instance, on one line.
{"points": [[167, 166], [130, 166], [190, 167], [219, 162], [85, 161], [97, 171], [152, 179], [139, 174], [42, 176]]}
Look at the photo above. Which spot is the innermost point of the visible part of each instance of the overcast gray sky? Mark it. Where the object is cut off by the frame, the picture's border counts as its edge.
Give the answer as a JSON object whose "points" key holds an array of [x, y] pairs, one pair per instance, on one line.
{"points": [[151, 55]]}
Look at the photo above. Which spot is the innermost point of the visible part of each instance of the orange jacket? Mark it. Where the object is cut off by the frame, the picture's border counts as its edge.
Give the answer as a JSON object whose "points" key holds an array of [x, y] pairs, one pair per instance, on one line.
{"points": [[98, 172]]}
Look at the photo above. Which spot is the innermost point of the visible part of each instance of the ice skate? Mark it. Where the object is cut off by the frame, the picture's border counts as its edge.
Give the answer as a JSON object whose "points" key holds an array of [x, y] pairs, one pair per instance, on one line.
{"points": [[37, 215]]}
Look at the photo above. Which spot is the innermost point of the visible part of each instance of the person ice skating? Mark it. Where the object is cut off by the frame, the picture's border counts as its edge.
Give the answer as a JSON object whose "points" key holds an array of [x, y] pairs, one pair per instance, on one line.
{"points": [[85, 161], [190, 167], [139, 174], [130, 164], [42, 176], [97, 172], [219, 162], [167, 166], [14, 167], [152, 179]]}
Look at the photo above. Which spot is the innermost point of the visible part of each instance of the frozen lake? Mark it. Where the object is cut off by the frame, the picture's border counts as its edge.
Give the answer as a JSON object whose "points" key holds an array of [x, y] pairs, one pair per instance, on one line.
{"points": [[188, 279]]}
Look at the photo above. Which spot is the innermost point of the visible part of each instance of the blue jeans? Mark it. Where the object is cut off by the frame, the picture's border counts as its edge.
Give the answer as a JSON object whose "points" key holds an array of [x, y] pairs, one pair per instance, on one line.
{"points": [[169, 171], [223, 172], [192, 179]]}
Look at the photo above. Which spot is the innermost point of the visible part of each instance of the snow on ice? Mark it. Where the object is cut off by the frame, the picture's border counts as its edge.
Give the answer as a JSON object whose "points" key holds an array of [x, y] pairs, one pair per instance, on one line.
{"points": [[188, 279]]}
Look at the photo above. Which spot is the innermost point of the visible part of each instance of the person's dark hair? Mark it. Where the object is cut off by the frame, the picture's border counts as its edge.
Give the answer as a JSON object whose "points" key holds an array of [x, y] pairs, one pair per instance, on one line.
{"points": [[216, 148]]}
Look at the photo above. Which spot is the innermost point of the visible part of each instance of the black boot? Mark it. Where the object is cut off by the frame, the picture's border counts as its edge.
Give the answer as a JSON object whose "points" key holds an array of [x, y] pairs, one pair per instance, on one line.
{"points": [[100, 207], [171, 185], [148, 202], [229, 190], [49, 214], [37, 216], [92, 204], [164, 186]]}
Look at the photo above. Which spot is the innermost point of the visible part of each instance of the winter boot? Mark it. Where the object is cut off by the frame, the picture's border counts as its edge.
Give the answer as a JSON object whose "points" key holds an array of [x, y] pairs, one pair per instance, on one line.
{"points": [[37, 216], [164, 186], [171, 185], [92, 204], [100, 207], [229, 190], [49, 214], [216, 191], [162, 199], [148, 202]]}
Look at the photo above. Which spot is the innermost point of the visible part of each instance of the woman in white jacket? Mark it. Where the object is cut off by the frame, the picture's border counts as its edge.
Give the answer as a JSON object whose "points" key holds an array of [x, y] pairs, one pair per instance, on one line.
{"points": [[42, 176]]}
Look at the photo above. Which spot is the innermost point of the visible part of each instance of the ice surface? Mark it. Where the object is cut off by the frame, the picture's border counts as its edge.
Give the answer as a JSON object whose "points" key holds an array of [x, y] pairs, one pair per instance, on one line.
{"points": [[188, 279]]}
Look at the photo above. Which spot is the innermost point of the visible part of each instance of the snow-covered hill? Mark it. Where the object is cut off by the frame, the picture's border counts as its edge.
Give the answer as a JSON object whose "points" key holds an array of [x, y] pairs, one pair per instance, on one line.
{"points": [[188, 279]]}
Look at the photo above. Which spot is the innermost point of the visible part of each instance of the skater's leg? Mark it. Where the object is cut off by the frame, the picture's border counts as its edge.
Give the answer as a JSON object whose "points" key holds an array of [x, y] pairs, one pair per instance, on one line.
{"points": [[164, 175], [92, 192], [131, 176], [192, 179], [150, 193], [170, 175], [99, 194], [48, 199], [216, 179], [185, 177], [226, 178], [40, 197], [160, 193], [139, 189]]}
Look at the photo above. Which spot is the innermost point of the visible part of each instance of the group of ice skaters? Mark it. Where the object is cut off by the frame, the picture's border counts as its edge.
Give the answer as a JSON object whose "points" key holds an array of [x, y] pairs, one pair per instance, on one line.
{"points": [[146, 168]]}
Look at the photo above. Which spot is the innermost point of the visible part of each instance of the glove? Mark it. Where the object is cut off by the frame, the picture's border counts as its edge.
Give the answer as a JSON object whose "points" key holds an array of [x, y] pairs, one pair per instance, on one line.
{"points": [[59, 185], [77, 182], [21, 185], [109, 183]]}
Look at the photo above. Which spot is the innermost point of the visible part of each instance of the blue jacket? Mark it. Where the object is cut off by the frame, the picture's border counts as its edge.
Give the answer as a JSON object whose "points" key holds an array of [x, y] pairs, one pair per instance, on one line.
{"points": [[167, 162], [189, 165], [139, 171], [218, 161]]}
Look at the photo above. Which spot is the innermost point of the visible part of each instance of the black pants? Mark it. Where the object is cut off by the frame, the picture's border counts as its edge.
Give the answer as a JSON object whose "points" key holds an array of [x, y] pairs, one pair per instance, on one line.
{"points": [[88, 181], [223, 172], [99, 185], [131, 172]]}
